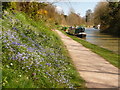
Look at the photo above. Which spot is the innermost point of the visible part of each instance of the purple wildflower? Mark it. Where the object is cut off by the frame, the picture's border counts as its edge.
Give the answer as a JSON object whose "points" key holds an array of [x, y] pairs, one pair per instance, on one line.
{"points": [[46, 72], [14, 28], [30, 49], [13, 42], [40, 65], [48, 64], [36, 45], [16, 43], [14, 57]]}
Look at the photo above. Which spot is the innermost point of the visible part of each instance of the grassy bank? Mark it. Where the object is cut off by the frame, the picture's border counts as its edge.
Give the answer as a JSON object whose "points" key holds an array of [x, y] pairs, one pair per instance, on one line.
{"points": [[110, 56], [33, 56]]}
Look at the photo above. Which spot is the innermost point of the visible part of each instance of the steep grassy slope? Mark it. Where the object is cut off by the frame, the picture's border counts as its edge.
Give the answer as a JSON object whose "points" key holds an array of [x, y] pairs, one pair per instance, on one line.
{"points": [[33, 56]]}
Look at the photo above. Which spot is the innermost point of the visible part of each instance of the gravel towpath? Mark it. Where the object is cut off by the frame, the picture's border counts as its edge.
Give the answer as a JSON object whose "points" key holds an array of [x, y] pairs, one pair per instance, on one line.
{"points": [[96, 71]]}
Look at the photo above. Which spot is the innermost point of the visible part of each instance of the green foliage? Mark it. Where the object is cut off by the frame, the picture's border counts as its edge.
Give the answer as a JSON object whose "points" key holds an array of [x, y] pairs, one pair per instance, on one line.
{"points": [[30, 8], [107, 14]]}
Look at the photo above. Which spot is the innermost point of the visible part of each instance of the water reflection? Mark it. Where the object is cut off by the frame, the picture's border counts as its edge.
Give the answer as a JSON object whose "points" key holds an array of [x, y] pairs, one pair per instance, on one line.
{"points": [[103, 40]]}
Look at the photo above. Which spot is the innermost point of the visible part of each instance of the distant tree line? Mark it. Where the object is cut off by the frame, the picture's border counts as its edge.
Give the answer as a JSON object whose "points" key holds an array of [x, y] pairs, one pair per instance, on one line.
{"points": [[44, 11], [74, 19], [107, 14]]}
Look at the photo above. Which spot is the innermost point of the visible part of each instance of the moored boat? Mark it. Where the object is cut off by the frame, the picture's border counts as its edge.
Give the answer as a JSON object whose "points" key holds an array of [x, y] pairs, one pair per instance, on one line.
{"points": [[79, 31]]}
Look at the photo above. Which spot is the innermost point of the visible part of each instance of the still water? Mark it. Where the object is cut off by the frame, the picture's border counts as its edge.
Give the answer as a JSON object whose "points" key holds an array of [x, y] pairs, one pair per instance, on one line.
{"points": [[103, 40]]}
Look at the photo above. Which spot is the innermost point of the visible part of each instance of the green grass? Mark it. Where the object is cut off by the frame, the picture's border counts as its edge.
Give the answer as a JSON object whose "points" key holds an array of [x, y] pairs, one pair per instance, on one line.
{"points": [[110, 56], [33, 56]]}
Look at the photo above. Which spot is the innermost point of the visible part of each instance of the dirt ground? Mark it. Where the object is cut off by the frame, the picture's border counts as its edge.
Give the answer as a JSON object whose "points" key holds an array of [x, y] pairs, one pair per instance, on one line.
{"points": [[96, 71]]}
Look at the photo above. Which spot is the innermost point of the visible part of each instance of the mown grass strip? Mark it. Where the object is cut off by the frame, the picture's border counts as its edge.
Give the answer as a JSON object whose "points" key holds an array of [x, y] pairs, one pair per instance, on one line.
{"points": [[110, 56]]}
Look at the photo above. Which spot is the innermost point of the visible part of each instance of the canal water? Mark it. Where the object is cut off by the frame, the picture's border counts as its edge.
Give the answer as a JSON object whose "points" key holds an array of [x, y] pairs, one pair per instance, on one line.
{"points": [[103, 40]]}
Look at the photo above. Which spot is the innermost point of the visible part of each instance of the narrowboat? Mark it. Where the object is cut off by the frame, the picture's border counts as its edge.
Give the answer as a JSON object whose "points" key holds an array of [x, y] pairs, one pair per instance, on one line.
{"points": [[79, 31]]}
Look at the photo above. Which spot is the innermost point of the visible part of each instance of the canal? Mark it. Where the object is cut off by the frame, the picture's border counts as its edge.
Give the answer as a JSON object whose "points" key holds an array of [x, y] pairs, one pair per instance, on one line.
{"points": [[103, 40]]}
